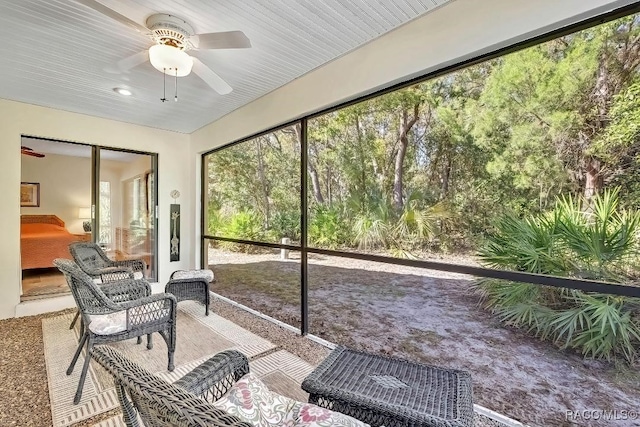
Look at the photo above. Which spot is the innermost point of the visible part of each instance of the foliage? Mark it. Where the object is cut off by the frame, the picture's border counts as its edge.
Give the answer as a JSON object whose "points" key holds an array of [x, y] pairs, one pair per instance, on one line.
{"points": [[327, 228], [286, 224], [597, 244], [510, 134]]}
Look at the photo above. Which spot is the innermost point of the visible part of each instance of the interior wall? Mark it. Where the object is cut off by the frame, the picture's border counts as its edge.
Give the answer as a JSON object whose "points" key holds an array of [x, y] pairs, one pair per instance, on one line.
{"points": [[460, 30], [65, 186], [18, 119]]}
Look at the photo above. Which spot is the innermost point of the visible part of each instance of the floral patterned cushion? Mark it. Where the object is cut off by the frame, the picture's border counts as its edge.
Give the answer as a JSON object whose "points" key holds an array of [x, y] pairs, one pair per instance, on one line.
{"points": [[251, 401], [310, 415]]}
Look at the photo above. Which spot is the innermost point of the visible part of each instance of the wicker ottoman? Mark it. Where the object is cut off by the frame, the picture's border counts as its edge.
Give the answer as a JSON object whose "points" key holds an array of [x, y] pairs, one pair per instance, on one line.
{"points": [[191, 285], [391, 392]]}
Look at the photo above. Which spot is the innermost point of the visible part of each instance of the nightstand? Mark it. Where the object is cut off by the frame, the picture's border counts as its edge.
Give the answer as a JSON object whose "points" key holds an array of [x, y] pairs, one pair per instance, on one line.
{"points": [[83, 237]]}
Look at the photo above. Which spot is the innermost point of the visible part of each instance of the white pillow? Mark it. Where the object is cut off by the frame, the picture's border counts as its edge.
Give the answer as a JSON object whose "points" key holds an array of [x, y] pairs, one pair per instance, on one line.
{"points": [[251, 401], [193, 274], [108, 324]]}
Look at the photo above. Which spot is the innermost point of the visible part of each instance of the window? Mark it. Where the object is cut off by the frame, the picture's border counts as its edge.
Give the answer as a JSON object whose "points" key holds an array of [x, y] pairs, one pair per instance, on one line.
{"points": [[105, 237]]}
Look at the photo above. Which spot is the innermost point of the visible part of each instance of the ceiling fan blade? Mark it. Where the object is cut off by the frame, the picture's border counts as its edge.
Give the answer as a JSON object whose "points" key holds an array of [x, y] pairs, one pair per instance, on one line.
{"points": [[133, 61], [31, 153], [99, 7], [222, 40], [210, 78]]}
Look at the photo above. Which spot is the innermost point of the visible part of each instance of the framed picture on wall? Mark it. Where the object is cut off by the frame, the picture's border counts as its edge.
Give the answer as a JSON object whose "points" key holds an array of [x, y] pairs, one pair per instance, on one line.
{"points": [[30, 194]]}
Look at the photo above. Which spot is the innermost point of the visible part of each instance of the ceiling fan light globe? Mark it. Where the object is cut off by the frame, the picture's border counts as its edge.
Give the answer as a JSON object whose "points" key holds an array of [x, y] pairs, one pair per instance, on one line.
{"points": [[168, 59]]}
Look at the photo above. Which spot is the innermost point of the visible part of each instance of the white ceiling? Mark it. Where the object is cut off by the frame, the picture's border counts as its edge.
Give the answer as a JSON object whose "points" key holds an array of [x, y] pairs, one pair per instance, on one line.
{"points": [[61, 54]]}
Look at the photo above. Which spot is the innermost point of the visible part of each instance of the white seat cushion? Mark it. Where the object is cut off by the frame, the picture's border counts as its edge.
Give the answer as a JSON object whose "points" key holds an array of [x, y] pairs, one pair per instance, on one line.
{"points": [[112, 323], [194, 274], [108, 324], [251, 401]]}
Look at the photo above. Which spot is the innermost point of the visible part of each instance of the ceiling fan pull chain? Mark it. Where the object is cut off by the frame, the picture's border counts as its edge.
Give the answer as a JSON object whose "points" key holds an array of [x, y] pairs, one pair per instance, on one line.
{"points": [[176, 97], [164, 85]]}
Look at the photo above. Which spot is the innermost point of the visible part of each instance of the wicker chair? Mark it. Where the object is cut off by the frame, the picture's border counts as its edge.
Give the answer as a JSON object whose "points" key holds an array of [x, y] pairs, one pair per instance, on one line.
{"points": [[184, 403], [93, 261], [118, 312]]}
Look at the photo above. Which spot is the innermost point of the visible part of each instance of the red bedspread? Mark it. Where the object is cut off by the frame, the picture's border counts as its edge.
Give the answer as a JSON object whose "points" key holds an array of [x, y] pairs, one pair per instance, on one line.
{"points": [[40, 244]]}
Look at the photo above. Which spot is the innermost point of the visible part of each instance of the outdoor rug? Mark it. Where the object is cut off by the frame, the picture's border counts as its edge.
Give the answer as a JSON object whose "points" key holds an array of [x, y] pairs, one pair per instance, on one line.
{"points": [[198, 338]]}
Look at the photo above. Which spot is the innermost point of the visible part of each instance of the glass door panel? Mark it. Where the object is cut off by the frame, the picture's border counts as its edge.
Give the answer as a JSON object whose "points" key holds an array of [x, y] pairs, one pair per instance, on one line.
{"points": [[125, 211]]}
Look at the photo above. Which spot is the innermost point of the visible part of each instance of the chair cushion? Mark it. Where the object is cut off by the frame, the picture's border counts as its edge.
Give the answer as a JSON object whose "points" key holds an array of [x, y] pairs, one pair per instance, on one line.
{"points": [[250, 400], [193, 274], [108, 324]]}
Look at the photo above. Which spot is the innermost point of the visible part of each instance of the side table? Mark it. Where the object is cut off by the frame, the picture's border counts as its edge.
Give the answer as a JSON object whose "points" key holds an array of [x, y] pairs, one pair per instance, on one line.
{"points": [[391, 392]]}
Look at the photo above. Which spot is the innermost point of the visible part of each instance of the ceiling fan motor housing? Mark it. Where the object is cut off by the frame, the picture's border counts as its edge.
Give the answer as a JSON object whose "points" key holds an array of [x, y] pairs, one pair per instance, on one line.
{"points": [[170, 30]]}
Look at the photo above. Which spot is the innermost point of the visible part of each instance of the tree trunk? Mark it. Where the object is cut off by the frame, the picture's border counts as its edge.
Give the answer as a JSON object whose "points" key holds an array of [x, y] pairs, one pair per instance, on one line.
{"points": [[398, 182], [446, 176], [602, 95], [264, 185], [313, 173], [593, 181], [363, 173], [315, 182]]}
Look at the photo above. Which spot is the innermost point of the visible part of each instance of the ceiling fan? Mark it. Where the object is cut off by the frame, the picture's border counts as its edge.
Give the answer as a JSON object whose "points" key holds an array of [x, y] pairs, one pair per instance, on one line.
{"points": [[173, 37], [29, 152]]}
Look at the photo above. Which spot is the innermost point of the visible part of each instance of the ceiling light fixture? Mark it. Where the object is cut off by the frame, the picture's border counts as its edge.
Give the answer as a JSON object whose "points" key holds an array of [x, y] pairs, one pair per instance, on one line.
{"points": [[122, 91], [171, 60]]}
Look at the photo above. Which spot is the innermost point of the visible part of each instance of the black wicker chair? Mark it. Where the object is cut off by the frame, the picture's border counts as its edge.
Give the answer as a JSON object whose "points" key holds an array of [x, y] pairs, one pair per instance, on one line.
{"points": [[93, 261], [184, 403], [127, 307]]}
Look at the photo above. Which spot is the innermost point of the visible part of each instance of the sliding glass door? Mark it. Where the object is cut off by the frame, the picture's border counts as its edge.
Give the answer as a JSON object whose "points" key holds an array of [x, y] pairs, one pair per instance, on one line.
{"points": [[125, 206]]}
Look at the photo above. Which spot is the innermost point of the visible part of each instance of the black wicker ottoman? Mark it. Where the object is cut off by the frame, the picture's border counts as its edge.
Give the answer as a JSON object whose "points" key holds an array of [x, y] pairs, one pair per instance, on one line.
{"points": [[191, 285], [391, 392]]}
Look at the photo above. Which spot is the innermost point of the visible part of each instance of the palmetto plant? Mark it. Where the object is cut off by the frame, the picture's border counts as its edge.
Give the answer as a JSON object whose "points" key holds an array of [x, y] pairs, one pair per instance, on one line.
{"points": [[412, 229], [596, 243]]}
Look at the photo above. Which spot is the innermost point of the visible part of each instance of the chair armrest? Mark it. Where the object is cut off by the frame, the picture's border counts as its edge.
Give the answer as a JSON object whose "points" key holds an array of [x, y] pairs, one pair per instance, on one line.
{"points": [[115, 274], [146, 300], [98, 272], [126, 290], [213, 378], [150, 309], [133, 264]]}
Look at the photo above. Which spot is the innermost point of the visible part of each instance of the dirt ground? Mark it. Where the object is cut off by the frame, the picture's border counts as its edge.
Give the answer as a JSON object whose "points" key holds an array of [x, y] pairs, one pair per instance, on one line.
{"points": [[434, 317]]}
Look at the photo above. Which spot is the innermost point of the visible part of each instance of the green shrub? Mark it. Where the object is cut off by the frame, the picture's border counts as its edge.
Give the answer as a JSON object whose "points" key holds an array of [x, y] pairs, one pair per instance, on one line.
{"points": [[370, 232], [286, 224], [216, 222], [597, 243], [245, 225], [326, 227]]}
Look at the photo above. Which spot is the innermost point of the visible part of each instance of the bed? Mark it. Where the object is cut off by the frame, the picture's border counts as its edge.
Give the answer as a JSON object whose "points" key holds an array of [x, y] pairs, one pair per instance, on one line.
{"points": [[43, 238]]}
